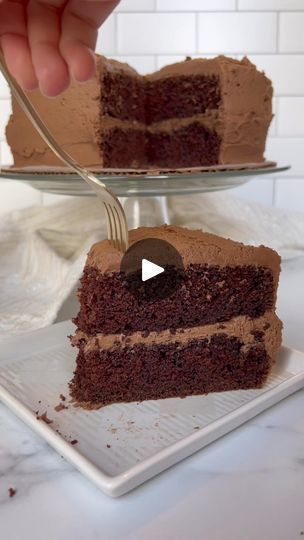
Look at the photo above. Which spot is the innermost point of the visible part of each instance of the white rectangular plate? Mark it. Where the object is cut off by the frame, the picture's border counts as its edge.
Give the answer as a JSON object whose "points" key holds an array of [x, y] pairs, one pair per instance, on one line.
{"points": [[121, 446]]}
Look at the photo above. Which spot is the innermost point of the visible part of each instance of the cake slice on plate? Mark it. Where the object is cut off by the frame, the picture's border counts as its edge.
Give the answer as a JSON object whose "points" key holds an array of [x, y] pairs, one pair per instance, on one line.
{"points": [[218, 331]]}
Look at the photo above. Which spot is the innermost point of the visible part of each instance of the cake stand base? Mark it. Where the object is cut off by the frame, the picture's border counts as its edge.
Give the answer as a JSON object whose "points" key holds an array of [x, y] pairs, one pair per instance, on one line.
{"points": [[146, 211]]}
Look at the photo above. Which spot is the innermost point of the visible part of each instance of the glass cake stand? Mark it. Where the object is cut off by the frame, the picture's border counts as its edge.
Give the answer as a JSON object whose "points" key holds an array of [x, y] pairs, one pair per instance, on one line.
{"points": [[135, 187]]}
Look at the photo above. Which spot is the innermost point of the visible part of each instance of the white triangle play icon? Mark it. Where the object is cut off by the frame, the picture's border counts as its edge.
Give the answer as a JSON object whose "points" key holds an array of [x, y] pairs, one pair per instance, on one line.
{"points": [[149, 269]]}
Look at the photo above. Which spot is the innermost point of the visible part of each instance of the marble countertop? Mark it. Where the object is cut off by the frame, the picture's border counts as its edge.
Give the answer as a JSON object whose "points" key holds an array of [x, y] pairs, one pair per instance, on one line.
{"points": [[247, 485]]}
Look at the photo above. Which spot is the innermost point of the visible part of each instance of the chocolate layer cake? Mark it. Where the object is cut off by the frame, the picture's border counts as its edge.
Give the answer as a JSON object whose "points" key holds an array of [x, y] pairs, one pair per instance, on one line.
{"points": [[194, 113], [218, 331]]}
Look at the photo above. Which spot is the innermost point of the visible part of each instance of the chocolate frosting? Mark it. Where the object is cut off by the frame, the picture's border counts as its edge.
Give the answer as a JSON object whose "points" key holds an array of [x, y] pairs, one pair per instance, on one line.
{"points": [[76, 117], [241, 327], [194, 246], [73, 118]]}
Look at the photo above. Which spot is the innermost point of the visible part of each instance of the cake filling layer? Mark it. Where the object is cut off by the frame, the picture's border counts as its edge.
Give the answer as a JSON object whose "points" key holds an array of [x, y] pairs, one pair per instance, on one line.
{"points": [[267, 329], [207, 295]]}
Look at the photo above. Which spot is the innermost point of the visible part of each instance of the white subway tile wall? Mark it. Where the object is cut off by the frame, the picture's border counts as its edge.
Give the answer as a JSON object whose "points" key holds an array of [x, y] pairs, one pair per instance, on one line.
{"points": [[149, 34], [234, 32], [270, 5], [290, 121], [156, 33], [195, 5], [291, 35]]}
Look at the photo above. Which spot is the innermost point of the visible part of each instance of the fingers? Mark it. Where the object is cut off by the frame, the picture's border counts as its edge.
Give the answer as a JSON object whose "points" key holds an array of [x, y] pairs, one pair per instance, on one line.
{"points": [[46, 41], [18, 60], [14, 43], [44, 28], [80, 23]]}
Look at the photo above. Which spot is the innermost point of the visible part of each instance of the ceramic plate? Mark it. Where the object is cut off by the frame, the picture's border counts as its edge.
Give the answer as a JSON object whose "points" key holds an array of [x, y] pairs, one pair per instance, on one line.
{"points": [[121, 446]]}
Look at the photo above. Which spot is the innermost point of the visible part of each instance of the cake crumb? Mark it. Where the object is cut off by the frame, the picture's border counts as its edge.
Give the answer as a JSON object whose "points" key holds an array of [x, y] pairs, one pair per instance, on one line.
{"points": [[302, 533], [11, 492], [60, 407], [73, 442], [44, 418], [39, 401], [108, 446], [62, 397], [196, 427]]}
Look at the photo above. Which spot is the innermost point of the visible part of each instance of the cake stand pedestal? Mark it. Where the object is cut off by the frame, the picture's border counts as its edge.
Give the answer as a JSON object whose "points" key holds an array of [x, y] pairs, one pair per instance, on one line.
{"points": [[146, 211], [143, 195]]}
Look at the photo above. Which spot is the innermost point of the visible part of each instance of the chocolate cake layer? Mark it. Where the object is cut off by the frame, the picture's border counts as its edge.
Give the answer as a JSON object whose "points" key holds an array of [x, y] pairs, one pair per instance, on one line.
{"points": [[140, 372], [194, 144], [214, 358], [119, 155], [207, 294], [181, 97], [123, 96]]}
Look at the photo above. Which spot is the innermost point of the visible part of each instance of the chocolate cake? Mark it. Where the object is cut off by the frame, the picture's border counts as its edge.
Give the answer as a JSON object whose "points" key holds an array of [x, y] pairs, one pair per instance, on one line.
{"points": [[194, 113], [218, 331]]}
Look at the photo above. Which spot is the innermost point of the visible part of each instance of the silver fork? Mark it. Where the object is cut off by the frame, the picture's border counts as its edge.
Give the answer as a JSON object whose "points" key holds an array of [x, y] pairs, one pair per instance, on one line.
{"points": [[116, 219]]}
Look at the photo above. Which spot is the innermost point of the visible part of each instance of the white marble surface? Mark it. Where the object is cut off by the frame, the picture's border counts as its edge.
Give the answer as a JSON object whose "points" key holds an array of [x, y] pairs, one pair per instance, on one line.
{"points": [[248, 485]]}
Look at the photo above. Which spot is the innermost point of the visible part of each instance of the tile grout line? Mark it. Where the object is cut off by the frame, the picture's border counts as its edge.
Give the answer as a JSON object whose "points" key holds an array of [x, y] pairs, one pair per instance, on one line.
{"points": [[298, 54], [214, 11]]}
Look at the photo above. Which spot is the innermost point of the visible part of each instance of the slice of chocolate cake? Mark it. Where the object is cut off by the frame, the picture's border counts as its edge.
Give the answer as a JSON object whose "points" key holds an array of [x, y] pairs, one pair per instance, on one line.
{"points": [[218, 331], [194, 113]]}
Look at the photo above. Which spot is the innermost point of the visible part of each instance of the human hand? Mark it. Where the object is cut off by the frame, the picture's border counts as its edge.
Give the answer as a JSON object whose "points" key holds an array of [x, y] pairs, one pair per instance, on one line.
{"points": [[47, 42]]}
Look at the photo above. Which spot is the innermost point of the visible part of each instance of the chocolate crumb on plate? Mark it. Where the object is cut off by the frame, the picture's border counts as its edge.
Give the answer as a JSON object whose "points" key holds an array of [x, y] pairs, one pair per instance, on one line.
{"points": [[44, 418], [12, 492], [74, 441], [108, 446], [60, 407], [62, 397]]}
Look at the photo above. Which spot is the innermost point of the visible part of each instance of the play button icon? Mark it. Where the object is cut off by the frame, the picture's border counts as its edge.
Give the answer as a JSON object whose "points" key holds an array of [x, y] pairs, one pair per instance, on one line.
{"points": [[153, 269], [150, 270]]}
